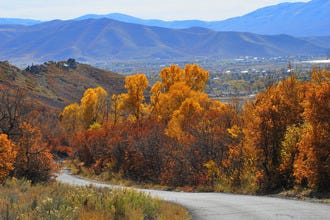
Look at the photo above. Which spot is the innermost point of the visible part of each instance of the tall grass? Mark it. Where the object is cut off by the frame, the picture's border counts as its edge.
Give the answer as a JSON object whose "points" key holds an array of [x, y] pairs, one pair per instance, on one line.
{"points": [[21, 200]]}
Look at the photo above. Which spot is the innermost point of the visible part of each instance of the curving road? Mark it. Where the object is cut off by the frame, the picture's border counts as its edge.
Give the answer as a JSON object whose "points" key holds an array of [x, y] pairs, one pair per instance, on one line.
{"points": [[209, 206]]}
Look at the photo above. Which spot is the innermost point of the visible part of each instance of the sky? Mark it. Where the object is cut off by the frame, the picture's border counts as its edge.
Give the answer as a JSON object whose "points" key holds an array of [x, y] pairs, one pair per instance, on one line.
{"points": [[147, 9]]}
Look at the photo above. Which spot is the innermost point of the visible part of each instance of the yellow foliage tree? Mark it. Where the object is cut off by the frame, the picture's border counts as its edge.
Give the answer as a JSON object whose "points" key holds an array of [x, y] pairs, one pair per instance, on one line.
{"points": [[195, 77], [183, 119], [7, 156], [94, 106], [171, 75], [133, 100], [116, 106], [71, 118], [93, 109]]}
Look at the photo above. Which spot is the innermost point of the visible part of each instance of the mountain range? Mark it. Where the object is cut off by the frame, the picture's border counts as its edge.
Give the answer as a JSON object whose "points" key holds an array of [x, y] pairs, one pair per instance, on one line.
{"points": [[296, 19], [104, 38], [300, 19]]}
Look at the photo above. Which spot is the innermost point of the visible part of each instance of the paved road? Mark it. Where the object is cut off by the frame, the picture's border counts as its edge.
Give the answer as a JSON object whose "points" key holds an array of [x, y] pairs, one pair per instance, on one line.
{"points": [[217, 206]]}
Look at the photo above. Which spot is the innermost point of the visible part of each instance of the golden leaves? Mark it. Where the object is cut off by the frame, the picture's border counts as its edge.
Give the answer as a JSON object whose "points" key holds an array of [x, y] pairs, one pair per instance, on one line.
{"points": [[133, 100], [92, 109]]}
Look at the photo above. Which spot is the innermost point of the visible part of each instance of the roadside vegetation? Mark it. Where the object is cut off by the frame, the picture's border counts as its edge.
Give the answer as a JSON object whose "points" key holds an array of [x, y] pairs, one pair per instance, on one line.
{"points": [[21, 200]]}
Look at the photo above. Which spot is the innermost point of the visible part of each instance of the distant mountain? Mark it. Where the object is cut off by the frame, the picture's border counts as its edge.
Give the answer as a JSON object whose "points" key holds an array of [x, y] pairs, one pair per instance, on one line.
{"points": [[18, 21], [297, 19], [103, 40], [323, 41], [149, 22], [300, 19], [57, 84]]}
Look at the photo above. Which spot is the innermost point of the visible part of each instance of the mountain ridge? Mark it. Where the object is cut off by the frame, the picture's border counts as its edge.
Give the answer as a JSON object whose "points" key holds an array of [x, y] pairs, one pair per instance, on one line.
{"points": [[94, 40], [300, 19]]}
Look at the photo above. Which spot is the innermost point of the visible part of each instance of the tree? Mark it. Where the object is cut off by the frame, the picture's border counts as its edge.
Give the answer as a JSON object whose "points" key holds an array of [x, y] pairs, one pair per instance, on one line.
{"points": [[183, 119], [93, 109], [94, 106], [312, 164], [13, 109], [71, 118], [171, 75], [7, 156], [117, 107], [33, 161], [289, 154], [266, 122], [195, 77], [133, 100]]}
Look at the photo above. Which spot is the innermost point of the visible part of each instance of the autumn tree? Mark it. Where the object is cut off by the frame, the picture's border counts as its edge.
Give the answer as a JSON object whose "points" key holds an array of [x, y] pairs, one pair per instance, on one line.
{"points": [[266, 122], [13, 110], [93, 109], [192, 75], [171, 75], [177, 84], [71, 118], [7, 156], [133, 100], [312, 164], [117, 107], [33, 161], [195, 77], [289, 153]]}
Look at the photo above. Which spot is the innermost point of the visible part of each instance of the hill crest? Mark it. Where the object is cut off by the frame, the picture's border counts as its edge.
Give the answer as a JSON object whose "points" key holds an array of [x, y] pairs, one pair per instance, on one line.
{"points": [[56, 84]]}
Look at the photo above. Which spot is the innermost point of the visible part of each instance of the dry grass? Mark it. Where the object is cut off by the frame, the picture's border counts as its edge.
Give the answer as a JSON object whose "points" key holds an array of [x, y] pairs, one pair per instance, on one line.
{"points": [[21, 200], [173, 212]]}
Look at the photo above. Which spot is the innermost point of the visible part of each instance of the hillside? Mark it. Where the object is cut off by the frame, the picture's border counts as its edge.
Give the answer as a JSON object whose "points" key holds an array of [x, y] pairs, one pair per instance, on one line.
{"points": [[57, 84], [104, 40]]}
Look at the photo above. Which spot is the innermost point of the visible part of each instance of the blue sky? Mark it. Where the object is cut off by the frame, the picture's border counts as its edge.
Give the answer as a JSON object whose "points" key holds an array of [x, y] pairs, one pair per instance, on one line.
{"points": [[164, 9]]}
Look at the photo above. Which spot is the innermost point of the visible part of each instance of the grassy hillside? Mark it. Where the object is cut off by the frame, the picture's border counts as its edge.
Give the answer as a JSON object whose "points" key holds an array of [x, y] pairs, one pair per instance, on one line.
{"points": [[58, 83]]}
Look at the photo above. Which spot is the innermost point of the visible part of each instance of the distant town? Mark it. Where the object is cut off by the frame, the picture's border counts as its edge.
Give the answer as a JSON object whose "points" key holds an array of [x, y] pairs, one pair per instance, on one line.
{"points": [[238, 77]]}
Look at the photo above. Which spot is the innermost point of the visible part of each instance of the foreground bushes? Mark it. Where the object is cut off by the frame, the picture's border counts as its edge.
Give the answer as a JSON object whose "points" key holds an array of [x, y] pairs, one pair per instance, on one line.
{"points": [[20, 200]]}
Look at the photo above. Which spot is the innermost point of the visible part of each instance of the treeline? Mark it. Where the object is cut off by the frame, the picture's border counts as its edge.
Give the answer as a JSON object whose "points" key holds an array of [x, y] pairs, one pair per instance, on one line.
{"points": [[181, 137]]}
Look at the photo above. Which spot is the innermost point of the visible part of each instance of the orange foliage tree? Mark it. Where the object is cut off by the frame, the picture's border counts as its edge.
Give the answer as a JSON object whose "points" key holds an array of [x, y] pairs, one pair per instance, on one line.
{"points": [[7, 156], [266, 122], [312, 164], [33, 161]]}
